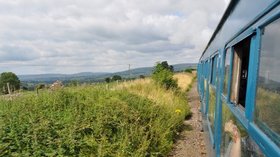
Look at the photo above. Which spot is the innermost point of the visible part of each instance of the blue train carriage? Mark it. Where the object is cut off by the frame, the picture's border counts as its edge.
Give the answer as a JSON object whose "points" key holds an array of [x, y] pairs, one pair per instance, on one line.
{"points": [[239, 81]]}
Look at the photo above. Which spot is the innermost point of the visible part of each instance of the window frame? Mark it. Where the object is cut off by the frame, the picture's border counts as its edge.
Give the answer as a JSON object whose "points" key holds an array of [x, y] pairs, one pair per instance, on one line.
{"points": [[267, 145], [240, 113], [237, 63], [214, 67], [213, 62]]}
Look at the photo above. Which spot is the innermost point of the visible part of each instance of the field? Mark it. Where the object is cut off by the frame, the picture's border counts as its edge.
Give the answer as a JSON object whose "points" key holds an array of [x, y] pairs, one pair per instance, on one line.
{"points": [[136, 118], [184, 80]]}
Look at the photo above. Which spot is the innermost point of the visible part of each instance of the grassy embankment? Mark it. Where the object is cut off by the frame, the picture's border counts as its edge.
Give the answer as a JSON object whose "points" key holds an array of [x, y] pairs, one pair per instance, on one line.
{"points": [[135, 118]]}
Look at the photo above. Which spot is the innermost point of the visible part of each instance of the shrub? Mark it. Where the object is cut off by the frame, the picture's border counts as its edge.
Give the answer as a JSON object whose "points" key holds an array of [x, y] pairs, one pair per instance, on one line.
{"points": [[188, 70], [163, 75], [107, 79], [91, 121], [116, 78], [141, 76], [113, 78]]}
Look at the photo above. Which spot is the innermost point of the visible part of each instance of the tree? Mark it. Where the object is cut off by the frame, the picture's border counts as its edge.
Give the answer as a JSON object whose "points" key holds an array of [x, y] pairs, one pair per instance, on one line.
{"points": [[116, 77], [141, 76], [107, 79], [163, 75], [165, 65], [9, 80]]}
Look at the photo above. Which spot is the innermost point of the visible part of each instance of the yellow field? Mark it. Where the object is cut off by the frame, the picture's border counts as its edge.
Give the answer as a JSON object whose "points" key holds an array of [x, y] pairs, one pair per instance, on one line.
{"points": [[184, 80]]}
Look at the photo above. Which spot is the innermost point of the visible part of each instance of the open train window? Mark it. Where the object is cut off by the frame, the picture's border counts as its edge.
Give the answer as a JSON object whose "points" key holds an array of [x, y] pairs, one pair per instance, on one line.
{"points": [[240, 72]]}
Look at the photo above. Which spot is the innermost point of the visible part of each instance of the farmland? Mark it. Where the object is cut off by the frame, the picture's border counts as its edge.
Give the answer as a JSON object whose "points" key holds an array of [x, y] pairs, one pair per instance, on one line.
{"points": [[134, 118]]}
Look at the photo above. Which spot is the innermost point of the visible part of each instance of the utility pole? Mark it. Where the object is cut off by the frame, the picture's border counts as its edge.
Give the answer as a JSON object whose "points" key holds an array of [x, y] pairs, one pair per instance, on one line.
{"points": [[129, 70]]}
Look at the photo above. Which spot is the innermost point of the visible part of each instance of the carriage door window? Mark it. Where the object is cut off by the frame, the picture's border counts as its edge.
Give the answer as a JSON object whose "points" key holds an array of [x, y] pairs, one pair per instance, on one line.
{"points": [[240, 72], [268, 89]]}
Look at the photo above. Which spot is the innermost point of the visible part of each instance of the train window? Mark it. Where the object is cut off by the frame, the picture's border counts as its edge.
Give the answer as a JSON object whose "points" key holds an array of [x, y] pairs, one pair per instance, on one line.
{"points": [[240, 72], [236, 141], [207, 70], [212, 107], [268, 89], [226, 70], [214, 68]]}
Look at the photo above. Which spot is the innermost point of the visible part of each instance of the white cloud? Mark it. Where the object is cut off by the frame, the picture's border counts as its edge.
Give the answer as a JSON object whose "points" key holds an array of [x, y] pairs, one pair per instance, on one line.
{"points": [[69, 36]]}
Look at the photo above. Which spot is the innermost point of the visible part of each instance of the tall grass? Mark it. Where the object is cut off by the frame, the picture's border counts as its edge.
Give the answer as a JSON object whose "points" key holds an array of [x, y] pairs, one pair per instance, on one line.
{"points": [[184, 80], [129, 119]]}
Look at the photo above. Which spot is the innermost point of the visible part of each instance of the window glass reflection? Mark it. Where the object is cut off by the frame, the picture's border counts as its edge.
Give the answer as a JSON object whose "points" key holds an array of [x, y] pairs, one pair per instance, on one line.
{"points": [[268, 90], [226, 71], [235, 140], [205, 90], [212, 106]]}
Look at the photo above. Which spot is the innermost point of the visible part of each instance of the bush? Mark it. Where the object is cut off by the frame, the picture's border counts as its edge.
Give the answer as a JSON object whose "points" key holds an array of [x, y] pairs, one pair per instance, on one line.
{"points": [[107, 79], [91, 121], [164, 76], [116, 78], [188, 70]]}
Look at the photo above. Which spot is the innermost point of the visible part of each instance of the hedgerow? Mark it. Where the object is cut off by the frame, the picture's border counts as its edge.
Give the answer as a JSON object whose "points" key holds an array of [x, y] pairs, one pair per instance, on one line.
{"points": [[88, 121]]}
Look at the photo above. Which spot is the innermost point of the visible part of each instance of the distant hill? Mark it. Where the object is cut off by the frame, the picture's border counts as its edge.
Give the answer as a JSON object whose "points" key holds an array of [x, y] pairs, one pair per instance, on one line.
{"points": [[96, 77], [47, 78], [148, 70]]}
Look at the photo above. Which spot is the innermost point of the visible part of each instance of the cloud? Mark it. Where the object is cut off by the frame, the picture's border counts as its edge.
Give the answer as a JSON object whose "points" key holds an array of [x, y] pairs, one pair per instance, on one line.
{"points": [[10, 53], [73, 36]]}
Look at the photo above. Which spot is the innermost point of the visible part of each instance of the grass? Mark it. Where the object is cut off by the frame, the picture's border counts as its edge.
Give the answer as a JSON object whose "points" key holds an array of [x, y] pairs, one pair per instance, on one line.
{"points": [[267, 113], [268, 108], [212, 107], [184, 80], [136, 118]]}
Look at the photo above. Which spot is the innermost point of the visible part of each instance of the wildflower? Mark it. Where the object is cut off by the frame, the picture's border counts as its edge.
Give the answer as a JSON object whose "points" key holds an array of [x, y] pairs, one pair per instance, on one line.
{"points": [[178, 111]]}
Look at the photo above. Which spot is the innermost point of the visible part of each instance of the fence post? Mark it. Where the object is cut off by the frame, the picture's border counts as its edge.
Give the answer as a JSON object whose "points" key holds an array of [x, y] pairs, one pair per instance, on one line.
{"points": [[8, 86]]}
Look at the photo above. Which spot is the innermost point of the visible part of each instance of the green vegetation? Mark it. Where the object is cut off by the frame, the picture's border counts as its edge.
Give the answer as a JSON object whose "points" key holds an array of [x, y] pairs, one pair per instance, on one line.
{"points": [[267, 113], [212, 106], [113, 78], [116, 78], [267, 108], [107, 79], [9, 80], [73, 83], [135, 118], [163, 75], [188, 70], [141, 76]]}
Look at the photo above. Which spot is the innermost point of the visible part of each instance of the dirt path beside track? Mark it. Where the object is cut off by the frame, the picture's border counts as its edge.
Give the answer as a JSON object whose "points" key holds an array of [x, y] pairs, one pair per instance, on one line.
{"points": [[191, 140]]}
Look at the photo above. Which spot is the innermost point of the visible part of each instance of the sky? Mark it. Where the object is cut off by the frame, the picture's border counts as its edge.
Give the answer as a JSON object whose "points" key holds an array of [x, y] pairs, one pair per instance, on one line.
{"points": [[71, 36]]}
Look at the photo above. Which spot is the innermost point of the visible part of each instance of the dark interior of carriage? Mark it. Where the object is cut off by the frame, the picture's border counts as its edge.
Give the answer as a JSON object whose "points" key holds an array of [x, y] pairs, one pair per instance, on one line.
{"points": [[240, 72]]}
